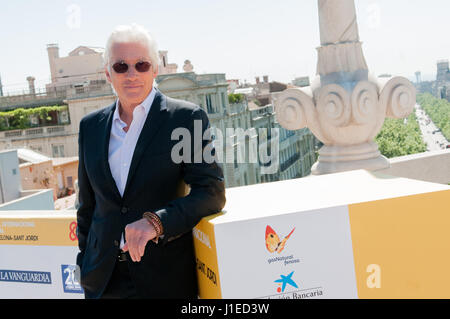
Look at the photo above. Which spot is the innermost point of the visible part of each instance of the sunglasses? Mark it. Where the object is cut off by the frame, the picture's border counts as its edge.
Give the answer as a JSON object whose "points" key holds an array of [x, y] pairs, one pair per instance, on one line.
{"points": [[122, 67]]}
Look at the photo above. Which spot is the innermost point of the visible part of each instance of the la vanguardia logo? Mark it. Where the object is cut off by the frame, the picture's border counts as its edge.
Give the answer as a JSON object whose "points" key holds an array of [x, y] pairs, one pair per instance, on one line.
{"points": [[33, 277]]}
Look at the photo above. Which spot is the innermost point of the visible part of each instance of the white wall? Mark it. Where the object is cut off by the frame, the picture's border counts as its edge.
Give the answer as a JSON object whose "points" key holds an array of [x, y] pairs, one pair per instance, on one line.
{"points": [[430, 167], [37, 200], [9, 176]]}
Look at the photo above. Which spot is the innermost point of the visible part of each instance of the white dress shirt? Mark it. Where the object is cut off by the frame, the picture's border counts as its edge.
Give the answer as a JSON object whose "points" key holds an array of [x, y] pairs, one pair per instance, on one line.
{"points": [[122, 144]]}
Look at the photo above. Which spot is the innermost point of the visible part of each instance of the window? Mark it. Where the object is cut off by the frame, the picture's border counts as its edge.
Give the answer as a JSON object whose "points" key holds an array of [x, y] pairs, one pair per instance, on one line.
{"points": [[70, 181], [34, 119], [223, 100], [79, 89], [209, 103], [58, 150], [64, 117]]}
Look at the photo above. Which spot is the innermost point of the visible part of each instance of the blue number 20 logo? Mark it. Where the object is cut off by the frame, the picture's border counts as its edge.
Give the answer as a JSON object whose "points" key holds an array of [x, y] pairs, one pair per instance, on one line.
{"points": [[69, 280]]}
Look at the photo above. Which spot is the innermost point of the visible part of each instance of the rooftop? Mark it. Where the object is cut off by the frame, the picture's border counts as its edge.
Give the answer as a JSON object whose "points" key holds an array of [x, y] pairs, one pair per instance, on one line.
{"points": [[64, 160], [27, 155]]}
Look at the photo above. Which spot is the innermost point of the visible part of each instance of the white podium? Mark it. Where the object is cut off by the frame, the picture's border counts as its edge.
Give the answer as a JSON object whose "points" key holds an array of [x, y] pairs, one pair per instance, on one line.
{"points": [[38, 252], [355, 234]]}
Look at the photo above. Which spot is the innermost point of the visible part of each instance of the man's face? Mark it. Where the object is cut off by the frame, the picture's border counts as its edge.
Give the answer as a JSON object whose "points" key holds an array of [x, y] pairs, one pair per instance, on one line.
{"points": [[132, 87]]}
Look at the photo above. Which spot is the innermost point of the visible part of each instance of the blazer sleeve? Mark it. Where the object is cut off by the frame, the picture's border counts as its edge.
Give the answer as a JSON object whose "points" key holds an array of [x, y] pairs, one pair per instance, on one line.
{"points": [[86, 199], [207, 186]]}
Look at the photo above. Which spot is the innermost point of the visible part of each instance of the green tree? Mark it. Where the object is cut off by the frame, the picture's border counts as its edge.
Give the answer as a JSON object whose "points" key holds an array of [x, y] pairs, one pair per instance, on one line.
{"points": [[20, 118], [235, 98], [438, 110], [397, 138]]}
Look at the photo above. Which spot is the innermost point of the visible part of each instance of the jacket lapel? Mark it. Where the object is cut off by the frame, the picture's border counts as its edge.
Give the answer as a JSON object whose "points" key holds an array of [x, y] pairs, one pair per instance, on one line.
{"points": [[154, 121], [105, 124]]}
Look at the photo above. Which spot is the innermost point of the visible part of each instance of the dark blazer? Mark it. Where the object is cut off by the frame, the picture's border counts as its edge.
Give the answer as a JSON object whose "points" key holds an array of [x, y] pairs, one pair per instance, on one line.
{"points": [[155, 183]]}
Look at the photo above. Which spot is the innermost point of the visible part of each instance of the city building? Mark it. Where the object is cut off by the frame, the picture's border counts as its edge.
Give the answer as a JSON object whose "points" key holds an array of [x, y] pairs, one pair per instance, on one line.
{"points": [[36, 171], [82, 67], [232, 85], [440, 88], [66, 171], [296, 152], [50, 120], [9, 176], [40, 171], [12, 196], [78, 86], [301, 81], [57, 134], [77, 90], [209, 91], [442, 84], [257, 125], [264, 89], [164, 66]]}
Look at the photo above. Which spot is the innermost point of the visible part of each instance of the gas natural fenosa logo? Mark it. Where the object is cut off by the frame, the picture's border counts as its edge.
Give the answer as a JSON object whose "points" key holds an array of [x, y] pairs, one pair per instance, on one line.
{"points": [[273, 242]]}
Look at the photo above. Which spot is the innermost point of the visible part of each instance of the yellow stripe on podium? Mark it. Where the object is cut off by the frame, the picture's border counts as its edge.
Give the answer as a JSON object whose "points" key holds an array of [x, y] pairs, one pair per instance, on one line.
{"points": [[59, 231], [206, 258], [401, 246]]}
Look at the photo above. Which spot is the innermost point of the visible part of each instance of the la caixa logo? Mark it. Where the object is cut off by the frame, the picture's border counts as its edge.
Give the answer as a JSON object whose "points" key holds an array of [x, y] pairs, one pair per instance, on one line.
{"points": [[284, 281]]}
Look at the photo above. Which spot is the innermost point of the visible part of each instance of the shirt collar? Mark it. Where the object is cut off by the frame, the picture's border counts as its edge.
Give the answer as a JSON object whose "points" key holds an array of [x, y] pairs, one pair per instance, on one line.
{"points": [[146, 104]]}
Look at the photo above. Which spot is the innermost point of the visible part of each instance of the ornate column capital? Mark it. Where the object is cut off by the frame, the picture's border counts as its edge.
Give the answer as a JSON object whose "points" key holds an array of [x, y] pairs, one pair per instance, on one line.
{"points": [[345, 107]]}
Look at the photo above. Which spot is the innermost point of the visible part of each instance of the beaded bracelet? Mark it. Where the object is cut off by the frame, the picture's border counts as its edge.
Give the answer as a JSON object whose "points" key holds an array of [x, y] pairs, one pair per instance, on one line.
{"points": [[155, 221]]}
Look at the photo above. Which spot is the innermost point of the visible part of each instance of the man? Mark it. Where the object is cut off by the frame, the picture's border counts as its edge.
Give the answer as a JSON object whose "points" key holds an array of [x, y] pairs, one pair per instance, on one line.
{"points": [[134, 218]]}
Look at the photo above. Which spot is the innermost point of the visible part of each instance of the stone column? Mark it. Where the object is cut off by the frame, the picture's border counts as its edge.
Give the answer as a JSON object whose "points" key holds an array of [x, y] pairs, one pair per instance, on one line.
{"points": [[345, 107], [1, 87], [337, 21], [31, 86]]}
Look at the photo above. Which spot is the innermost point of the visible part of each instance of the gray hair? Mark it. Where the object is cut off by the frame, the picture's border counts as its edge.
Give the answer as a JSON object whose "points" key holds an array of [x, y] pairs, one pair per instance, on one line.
{"points": [[133, 33]]}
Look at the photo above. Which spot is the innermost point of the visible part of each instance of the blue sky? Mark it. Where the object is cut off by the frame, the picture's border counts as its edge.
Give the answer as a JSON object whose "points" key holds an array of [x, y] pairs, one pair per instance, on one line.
{"points": [[242, 39]]}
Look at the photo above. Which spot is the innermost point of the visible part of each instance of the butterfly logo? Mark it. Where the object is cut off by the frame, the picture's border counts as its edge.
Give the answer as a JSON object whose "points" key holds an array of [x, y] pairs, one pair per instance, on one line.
{"points": [[273, 242]]}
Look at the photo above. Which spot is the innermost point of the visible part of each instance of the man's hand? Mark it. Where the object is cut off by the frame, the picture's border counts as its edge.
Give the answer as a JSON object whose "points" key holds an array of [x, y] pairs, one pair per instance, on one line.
{"points": [[137, 235]]}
